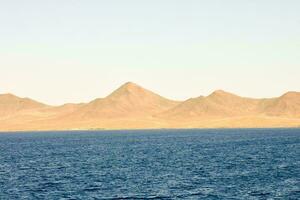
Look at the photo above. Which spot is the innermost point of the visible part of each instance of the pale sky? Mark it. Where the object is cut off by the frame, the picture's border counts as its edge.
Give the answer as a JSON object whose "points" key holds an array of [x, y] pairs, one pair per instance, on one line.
{"points": [[62, 51]]}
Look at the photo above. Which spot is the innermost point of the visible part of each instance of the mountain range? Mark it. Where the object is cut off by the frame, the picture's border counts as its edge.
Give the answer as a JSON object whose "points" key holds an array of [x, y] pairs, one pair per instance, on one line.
{"points": [[133, 107]]}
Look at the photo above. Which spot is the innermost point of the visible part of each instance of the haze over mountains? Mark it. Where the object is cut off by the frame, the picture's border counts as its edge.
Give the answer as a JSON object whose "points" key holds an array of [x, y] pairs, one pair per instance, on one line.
{"points": [[133, 107]]}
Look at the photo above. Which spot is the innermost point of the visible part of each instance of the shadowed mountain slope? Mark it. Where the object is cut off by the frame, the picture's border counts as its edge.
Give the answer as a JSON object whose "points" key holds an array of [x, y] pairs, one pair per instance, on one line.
{"points": [[287, 105], [218, 104], [11, 105], [130, 100], [221, 104]]}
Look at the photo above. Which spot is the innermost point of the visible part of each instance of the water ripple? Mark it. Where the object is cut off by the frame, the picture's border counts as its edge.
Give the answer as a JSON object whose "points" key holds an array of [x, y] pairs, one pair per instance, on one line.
{"points": [[162, 164]]}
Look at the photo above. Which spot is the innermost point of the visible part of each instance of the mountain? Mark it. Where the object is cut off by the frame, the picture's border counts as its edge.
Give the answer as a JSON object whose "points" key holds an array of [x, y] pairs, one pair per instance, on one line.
{"points": [[11, 105], [217, 105], [130, 100], [287, 105], [132, 106]]}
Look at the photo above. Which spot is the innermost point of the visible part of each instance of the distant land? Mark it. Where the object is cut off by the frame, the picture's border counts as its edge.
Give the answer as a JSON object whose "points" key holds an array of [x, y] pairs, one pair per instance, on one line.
{"points": [[133, 107]]}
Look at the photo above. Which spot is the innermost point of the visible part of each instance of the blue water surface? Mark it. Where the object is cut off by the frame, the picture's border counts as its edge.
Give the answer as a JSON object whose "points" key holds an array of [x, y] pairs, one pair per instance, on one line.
{"points": [[151, 164]]}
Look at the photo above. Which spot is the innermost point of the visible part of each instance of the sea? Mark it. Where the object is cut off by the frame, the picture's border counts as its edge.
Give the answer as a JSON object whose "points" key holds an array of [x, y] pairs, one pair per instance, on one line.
{"points": [[151, 164]]}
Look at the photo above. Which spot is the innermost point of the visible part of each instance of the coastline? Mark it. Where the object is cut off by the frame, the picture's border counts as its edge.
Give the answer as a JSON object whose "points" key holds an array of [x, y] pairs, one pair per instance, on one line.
{"points": [[147, 129]]}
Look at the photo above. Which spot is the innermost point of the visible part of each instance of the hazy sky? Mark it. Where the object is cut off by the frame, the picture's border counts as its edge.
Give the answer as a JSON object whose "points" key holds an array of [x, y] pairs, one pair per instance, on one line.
{"points": [[74, 51]]}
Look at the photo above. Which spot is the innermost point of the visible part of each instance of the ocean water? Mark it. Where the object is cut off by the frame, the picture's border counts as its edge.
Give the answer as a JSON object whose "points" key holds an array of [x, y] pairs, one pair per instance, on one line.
{"points": [[152, 164]]}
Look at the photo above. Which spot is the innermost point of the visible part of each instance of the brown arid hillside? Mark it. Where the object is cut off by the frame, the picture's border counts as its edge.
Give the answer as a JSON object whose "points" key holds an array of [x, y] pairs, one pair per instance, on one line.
{"points": [[128, 101], [11, 105], [133, 107], [287, 105], [219, 104]]}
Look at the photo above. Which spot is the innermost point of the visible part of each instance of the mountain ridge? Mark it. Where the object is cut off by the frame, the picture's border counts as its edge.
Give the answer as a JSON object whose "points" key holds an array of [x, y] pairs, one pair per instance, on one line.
{"points": [[132, 106]]}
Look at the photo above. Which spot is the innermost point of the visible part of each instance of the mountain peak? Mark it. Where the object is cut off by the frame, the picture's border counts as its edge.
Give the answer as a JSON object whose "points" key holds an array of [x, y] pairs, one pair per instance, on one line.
{"points": [[221, 93], [129, 99], [291, 94], [11, 98], [11, 104], [130, 84], [129, 88]]}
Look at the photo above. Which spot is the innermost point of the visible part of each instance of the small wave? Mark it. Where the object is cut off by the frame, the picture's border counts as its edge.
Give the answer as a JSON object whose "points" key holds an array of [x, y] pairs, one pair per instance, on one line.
{"points": [[259, 193], [92, 189]]}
